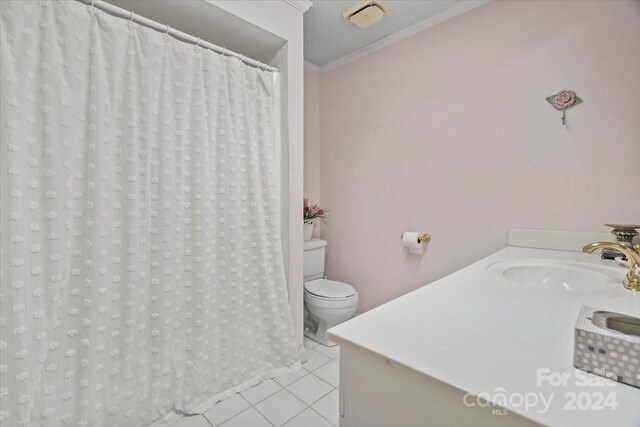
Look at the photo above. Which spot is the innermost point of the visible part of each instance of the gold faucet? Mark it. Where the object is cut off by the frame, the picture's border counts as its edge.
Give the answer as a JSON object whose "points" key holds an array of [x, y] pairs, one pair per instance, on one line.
{"points": [[632, 281]]}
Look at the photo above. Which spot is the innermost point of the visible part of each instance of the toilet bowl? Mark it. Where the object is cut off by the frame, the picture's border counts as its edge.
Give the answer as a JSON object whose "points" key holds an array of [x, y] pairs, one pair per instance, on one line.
{"points": [[328, 303]]}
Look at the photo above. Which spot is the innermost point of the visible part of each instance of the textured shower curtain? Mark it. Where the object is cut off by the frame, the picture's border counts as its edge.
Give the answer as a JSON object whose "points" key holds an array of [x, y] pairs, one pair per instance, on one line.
{"points": [[141, 261]]}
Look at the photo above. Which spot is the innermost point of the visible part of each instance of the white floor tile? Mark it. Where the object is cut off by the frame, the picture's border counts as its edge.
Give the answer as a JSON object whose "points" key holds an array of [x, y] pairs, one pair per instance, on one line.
{"points": [[308, 418], [329, 372], [309, 389], [226, 409], [248, 418], [191, 421], [309, 343], [280, 407], [314, 360], [330, 352], [328, 407], [261, 391], [285, 380]]}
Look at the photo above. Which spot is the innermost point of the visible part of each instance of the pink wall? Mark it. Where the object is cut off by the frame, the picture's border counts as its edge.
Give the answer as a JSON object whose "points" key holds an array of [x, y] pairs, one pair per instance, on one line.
{"points": [[449, 132], [312, 136], [312, 140]]}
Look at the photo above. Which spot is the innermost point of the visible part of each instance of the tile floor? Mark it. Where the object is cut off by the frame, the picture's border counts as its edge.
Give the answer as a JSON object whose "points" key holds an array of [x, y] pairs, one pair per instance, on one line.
{"points": [[306, 398]]}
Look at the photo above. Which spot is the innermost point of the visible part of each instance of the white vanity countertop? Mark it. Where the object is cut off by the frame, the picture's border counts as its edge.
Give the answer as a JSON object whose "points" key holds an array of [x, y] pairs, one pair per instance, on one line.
{"points": [[479, 332]]}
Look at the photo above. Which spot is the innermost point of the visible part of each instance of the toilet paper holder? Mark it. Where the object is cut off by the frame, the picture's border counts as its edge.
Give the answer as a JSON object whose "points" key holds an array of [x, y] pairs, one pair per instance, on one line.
{"points": [[425, 238]]}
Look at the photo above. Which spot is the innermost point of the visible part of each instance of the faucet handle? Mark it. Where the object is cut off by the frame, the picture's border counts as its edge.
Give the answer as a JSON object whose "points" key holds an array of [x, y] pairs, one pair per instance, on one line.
{"points": [[632, 280], [625, 234]]}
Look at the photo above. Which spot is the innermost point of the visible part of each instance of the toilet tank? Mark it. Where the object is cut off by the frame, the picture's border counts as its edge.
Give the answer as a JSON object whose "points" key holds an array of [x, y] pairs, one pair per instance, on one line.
{"points": [[314, 259]]}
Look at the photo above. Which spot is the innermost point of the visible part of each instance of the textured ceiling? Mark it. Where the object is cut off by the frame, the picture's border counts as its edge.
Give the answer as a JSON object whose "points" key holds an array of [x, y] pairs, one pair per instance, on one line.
{"points": [[328, 36]]}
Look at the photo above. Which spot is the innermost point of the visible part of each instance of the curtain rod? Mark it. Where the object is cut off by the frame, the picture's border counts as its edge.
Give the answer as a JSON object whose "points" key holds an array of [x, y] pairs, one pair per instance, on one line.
{"points": [[123, 13]]}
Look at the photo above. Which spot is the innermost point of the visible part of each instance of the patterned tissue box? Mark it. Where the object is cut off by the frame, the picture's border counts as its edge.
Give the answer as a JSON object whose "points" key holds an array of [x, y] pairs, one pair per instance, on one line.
{"points": [[602, 349]]}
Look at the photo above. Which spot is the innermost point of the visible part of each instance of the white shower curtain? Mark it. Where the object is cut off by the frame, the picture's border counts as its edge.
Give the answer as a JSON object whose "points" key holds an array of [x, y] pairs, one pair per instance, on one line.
{"points": [[141, 261]]}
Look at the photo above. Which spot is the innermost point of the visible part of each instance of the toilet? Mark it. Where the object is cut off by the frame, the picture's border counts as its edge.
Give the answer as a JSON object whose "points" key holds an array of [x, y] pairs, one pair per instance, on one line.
{"points": [[327, 302]]}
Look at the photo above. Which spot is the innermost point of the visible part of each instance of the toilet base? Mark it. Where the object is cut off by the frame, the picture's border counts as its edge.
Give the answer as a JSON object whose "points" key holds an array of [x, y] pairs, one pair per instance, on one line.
{"points": [[316, 329], [323, 340]]}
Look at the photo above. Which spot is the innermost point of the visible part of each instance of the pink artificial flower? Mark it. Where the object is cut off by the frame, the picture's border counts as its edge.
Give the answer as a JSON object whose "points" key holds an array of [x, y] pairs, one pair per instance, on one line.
{"points": [[314, 213]]}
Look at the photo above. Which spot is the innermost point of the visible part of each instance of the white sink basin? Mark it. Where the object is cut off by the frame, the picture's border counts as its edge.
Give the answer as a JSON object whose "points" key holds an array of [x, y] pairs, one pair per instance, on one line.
{"points": [[558, 275]]}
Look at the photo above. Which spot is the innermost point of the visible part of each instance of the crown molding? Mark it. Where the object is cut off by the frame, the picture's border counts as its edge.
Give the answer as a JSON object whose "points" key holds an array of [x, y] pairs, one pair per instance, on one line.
{"points": [[310, 66], [301, 5], [461, 7]]}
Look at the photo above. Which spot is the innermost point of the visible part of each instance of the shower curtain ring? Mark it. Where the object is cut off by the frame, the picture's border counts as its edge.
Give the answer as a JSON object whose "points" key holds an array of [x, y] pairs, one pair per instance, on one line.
{"points": [[224, 49], [168, 28], [132, 16], [198, 42]]}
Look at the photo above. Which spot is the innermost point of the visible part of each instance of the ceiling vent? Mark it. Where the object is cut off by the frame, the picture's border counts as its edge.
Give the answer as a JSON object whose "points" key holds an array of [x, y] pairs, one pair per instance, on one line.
{"points": [[366, 13]]}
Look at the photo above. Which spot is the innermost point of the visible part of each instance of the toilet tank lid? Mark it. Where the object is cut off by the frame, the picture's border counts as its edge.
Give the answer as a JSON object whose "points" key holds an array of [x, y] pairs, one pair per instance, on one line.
{"points": [[314, 244], [329, 288]]}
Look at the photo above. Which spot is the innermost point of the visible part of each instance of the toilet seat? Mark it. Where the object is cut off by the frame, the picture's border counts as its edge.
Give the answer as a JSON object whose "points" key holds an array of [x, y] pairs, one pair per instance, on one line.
{"points": [[329, 303], [329, 289]]}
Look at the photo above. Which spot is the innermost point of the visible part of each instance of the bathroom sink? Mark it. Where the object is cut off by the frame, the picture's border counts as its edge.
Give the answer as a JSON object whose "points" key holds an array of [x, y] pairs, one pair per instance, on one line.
{"points": [[557, 275]]}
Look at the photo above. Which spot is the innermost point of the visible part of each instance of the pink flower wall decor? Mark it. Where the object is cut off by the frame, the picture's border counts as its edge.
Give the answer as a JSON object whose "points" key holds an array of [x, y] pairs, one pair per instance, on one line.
{"points": [[564, 100]]}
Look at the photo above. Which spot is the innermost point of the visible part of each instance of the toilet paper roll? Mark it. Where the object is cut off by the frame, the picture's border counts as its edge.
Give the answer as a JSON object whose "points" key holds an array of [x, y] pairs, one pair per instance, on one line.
{"points": [[410, 240]]}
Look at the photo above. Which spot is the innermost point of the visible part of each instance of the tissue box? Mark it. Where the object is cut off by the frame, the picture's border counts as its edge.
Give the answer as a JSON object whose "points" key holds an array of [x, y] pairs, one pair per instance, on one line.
{"points": [[607, 344]]}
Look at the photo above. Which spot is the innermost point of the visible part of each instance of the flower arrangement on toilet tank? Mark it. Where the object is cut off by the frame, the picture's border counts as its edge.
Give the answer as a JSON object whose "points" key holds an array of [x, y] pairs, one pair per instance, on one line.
{"points": [[312, 215]]}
